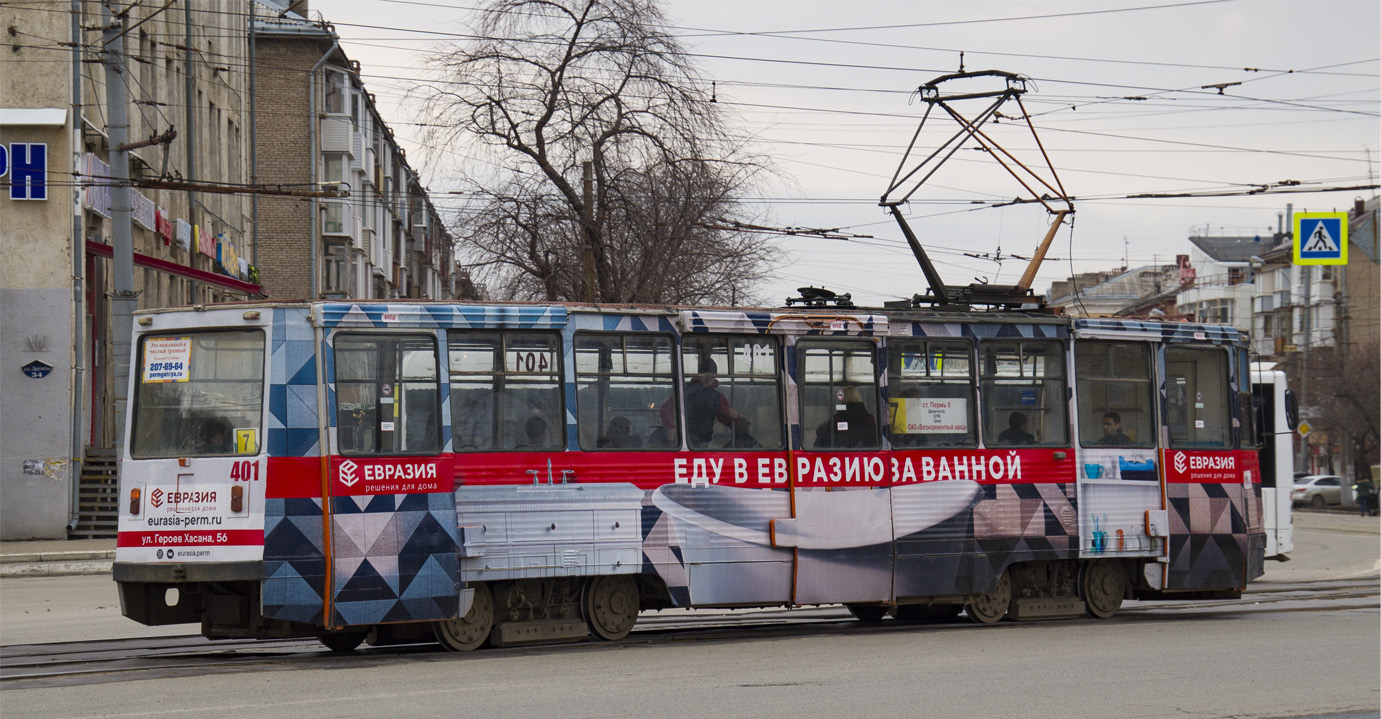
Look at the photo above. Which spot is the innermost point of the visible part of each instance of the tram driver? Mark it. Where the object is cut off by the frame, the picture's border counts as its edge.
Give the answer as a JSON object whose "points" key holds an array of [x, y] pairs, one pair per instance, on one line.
{"points": [[1113, 436]]}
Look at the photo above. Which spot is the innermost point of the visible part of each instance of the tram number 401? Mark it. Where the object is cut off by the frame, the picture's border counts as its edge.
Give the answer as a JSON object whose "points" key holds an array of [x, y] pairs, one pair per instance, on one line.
{"points": [[531, 362], [245, 471]]}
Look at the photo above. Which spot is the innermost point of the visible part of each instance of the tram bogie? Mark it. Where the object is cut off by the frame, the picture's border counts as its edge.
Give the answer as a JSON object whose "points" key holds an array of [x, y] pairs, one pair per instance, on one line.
{"points": [[506, 474]]}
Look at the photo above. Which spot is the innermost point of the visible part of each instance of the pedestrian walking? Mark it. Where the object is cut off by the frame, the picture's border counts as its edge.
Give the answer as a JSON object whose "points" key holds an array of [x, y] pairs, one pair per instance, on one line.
{"points": [[1366, 496]]}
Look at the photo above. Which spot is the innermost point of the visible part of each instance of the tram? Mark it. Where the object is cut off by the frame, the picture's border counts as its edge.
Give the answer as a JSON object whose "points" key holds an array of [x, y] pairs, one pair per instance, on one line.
{"points": [[474, 473]]}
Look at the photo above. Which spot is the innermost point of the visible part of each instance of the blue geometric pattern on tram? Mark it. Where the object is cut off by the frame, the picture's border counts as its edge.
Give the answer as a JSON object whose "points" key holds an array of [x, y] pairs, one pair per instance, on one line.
{"points": [[430, 316], [291, 427], [1167, 331], [725, 321], [395, 558], [1016, 331], [294, 563], [634, 323]]}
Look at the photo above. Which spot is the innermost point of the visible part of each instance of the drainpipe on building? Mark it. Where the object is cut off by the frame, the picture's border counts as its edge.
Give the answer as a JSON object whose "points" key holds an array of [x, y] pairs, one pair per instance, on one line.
{"points": [[78, 276], [189, 100], [253, 138], [313, 159]]}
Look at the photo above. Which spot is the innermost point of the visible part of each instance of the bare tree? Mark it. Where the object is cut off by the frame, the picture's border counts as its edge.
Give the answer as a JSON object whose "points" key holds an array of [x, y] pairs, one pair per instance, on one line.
{"points": [[558, 86], [1347, 394]]}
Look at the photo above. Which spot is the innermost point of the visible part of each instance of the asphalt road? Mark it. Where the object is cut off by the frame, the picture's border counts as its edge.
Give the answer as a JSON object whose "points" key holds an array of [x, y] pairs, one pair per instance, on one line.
{"points": [[1301, 660]]}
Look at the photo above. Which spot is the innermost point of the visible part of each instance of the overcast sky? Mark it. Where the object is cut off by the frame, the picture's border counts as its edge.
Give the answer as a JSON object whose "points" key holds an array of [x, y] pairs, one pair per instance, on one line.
{"points": [[826, 89]]}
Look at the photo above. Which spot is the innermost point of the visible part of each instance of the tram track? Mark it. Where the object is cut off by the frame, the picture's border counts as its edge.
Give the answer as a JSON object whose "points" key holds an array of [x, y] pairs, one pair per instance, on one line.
{"points": [[115, 660]]}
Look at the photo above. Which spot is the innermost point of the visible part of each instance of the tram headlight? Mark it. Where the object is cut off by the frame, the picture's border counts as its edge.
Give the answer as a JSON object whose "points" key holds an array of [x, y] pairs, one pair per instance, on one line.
{"points": [[134, 495]]}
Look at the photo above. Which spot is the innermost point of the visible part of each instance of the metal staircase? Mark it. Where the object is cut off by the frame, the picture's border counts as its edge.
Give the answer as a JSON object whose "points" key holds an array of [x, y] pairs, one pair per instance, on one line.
{"points": [[98, 495]]}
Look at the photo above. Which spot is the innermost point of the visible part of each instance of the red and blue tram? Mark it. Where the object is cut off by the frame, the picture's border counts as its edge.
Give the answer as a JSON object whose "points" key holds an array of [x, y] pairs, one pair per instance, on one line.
{"points": [[510, 473]]}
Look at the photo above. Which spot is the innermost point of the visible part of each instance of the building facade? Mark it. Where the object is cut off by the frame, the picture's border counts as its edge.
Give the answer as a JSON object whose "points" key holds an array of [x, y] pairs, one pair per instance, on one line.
{"points": [[207, 226], [180, 80]]}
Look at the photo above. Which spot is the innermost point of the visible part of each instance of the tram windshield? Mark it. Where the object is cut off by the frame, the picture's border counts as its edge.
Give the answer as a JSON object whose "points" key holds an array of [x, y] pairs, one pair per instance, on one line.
{"points": [[198, 394]]}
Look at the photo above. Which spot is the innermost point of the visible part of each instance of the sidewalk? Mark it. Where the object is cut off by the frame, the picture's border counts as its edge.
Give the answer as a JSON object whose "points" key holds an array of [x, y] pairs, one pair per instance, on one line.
{"points": [[56, 557]]}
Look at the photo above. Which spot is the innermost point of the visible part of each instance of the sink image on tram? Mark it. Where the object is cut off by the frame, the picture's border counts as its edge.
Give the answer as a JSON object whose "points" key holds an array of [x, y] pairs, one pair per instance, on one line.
{"points": [[842, 538], [839, 519]]}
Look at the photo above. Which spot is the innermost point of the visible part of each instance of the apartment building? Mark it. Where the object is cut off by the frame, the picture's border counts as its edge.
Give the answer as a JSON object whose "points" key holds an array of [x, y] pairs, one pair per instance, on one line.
{"points": [[318, 127]]}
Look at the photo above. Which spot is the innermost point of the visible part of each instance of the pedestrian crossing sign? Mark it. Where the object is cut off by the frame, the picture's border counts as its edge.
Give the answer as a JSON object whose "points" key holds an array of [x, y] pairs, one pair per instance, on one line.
{"points": [[1321, 238]]}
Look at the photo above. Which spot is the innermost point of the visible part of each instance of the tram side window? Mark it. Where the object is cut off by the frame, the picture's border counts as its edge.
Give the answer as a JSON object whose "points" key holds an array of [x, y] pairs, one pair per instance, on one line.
{"points": [[387, 394], [1023, 385], [1196, 387], [622, 383], [733, 393], [505, 391], [1113, 383], [838, 395], [199, 394], [932, 394]]}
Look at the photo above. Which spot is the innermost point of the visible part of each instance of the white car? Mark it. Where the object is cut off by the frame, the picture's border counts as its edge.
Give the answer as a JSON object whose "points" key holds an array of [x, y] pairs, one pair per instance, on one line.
{"points": [[1316, 490]]}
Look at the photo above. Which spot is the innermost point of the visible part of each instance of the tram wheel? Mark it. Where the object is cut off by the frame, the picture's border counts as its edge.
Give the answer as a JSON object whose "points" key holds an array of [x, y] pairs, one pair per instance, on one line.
{"points": [[611, 605], [342, 641], [927, 612], [867, 612], [1103, 585], [472, 630], [991, 607]]}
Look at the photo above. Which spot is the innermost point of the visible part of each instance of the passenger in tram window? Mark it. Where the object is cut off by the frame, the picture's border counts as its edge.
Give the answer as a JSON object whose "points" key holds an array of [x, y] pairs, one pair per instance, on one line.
{"points": [[742, 438], [619, 435], [662, 436], [1016, 431], [704, 406], [1113, 436], [536, 431], [852, 426]]}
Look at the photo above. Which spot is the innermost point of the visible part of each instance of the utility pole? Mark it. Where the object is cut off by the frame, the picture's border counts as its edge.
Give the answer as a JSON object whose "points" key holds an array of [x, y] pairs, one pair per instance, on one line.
{"points": [[124, 298]]}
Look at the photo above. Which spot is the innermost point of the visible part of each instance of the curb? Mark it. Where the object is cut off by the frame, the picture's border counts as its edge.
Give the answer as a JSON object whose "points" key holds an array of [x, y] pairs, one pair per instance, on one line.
{"points": [[13, 569], [77, 556]]}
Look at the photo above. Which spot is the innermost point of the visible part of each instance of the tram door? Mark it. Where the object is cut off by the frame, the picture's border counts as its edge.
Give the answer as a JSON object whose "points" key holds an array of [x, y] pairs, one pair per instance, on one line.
{"points": [[1203, 475], [840, 480], [392, 557]]}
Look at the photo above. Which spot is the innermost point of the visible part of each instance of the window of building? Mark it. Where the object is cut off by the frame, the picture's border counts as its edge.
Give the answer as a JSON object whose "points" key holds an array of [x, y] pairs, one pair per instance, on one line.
{"points": [[337, 92], [626, 391], [387, 394], [1113, 383], [837, 387], [1023, 385], [199, 394], [930, 387], [506, 391], [1196, 386], [336, 274], [333, 217], [733, 395]]}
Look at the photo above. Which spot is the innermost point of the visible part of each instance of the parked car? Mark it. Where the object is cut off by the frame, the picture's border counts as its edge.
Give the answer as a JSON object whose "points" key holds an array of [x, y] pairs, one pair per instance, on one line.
{"points": [[1316, 490]]}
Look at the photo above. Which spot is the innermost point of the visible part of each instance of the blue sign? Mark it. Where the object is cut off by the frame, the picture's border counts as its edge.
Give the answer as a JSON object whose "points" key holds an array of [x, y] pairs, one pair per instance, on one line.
{"points": [[37, 369], [1028, 397], [27, 165], [1320, 238]]}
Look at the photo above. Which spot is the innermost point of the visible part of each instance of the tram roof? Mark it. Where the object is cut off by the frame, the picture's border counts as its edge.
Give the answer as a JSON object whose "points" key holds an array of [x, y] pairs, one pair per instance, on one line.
{"points": [[530, 312]]}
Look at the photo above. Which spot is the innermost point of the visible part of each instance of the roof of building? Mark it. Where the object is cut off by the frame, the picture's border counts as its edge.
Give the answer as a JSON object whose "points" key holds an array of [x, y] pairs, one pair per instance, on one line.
{"points": [[1233, 249]]}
